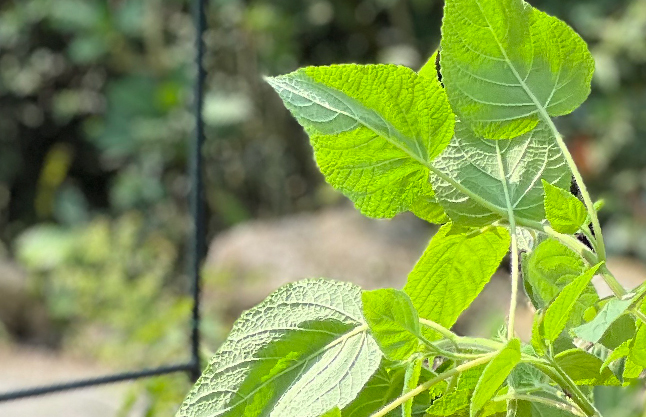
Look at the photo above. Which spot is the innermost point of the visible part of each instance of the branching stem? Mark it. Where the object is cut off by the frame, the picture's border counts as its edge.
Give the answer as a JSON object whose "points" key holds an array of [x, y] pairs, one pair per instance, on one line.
{"points": [[426, 385]]}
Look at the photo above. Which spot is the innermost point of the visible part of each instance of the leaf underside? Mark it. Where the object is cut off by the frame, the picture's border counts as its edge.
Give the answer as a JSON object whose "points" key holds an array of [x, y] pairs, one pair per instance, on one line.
{"points": [[311, 330]]}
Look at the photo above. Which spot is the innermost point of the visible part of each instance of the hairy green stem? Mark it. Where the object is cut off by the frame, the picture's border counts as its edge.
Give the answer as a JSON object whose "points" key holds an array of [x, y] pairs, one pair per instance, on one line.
{"points": [[565, 382], [515, 270], [547, 401], [426, 385], [617, 289], [439, 328], [596, 226]]}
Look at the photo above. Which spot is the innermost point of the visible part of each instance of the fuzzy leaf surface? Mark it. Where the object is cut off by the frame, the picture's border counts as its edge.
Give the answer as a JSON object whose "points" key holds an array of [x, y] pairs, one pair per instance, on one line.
{"points": [[453, 270], [494, 375], [565, 212], [374, 129], [483, 168], [393, 322], [506, 65], [559, 311], [311, 330]]}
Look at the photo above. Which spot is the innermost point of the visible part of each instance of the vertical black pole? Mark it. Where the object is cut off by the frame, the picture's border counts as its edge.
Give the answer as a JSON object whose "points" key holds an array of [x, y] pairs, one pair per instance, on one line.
{"points": [[197, 247]]}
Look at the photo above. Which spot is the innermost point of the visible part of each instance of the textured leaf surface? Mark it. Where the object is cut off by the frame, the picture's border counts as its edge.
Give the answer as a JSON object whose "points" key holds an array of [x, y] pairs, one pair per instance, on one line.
{"points": [[374, 129], [453, 270], [382, 388], [584, 368], [393, 322], [559, 311], [594, 330], [565, 212], [494, 375], [505, 65], [549, 269], [483, 167], [308, 331]]}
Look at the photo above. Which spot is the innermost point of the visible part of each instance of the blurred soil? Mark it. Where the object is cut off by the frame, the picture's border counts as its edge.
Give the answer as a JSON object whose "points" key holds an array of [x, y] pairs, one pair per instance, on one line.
{"points": [[22, 367]]}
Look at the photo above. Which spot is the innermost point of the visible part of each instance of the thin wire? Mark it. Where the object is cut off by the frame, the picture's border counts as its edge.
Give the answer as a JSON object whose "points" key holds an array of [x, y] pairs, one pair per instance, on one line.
{"points": [[198, 244], [197, 247], [91, 382]]}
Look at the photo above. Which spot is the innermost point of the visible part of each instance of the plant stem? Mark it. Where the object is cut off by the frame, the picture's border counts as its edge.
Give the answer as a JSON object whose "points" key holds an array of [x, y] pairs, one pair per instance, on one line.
{"points": [[565, 382], [547, 401], [440, 329], [617, 289], [514, 247], [426, 385], [596, 226]]}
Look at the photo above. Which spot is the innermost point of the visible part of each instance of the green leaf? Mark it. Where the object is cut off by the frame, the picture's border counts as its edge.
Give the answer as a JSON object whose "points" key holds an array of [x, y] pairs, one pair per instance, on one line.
{"points": [[430, 68], [413, 372], [374, 129], [446, 279], [532, 409], [565, 212], [619, 352], [559, 311], [426, 207], [305, 331], [494, 375], [549, 269], [335, 412], [638, 348], [506, 65], [382, 388], [393, 322], [538, 336], [585, 368], [479, 170], [594, 330]]}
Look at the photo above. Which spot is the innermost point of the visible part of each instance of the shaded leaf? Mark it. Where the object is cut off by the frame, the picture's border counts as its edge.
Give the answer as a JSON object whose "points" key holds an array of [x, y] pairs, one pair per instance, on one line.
{"points": [[506, 65], [584, 368], [482, 169], [558, 313], [594, 330]]}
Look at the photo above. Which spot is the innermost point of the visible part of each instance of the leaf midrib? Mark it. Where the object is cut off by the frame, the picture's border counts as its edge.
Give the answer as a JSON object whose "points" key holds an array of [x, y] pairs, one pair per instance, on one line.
{"points": [[357, 330]]}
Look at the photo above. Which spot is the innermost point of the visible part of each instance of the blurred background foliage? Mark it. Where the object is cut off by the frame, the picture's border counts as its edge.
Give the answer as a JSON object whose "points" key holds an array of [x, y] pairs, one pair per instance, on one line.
{"points": [[95, 122]]}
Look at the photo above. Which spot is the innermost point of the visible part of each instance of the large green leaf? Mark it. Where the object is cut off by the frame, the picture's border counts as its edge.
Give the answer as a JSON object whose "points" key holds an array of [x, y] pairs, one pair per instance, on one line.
{"points": [[494, 375], [479, 170], [549, 269], [453, 270], [311, 330], [506, 65], [558, 313], [393, 322], [374, 128]]}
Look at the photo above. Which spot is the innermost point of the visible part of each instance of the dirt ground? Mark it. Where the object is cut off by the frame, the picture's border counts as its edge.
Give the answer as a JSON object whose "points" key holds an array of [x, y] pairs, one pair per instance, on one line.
{"points": [[24, 367]]}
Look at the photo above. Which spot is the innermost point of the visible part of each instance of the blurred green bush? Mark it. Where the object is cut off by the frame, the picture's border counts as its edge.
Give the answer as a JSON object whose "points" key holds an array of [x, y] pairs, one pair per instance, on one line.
{"points": [[95, 123]]}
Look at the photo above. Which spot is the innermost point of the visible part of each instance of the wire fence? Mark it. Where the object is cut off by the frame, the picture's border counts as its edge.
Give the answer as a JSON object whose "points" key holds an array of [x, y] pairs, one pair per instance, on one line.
{"points": [[197, 246]]}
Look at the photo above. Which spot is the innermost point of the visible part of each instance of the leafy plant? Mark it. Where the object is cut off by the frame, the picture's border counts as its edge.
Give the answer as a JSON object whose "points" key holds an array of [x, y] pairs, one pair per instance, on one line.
{"points": [[479, 153]]}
